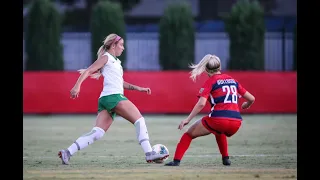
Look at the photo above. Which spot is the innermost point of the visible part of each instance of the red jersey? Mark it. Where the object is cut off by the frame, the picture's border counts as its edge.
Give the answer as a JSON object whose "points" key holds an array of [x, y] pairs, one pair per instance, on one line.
{"points": [[221, 90]]}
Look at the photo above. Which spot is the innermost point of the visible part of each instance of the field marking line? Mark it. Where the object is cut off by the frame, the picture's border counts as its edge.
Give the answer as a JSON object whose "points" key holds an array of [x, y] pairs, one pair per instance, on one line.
{"points": [[197, 156]]}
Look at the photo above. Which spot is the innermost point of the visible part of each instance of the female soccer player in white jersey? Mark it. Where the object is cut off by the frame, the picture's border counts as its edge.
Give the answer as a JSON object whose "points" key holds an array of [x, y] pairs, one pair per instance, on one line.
{"points": [[112, 100]]}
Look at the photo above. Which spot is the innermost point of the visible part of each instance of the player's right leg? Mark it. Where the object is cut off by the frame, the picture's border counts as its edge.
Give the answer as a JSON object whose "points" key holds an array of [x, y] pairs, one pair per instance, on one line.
{"points": [[195, 130], [103, 122], [130, 112]]}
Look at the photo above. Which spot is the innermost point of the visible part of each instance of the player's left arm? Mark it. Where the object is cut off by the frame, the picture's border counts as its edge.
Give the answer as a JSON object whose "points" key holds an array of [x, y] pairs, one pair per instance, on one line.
{"points": [[129, 86]]}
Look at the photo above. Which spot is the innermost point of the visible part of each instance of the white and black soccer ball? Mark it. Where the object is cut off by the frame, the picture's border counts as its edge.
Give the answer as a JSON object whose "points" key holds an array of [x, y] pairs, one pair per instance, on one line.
{"points": [[160, 149]]}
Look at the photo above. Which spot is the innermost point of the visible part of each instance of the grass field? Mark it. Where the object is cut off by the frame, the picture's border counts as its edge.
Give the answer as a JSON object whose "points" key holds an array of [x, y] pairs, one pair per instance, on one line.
{"points": [[264, 148]]}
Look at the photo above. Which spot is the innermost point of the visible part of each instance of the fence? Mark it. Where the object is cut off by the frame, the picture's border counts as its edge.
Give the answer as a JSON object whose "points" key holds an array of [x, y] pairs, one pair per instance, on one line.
{"points": [[142, 50]]}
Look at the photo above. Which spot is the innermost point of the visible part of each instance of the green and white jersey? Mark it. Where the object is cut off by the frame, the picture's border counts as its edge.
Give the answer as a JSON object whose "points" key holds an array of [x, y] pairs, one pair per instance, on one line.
{"points": [[113, 76]]}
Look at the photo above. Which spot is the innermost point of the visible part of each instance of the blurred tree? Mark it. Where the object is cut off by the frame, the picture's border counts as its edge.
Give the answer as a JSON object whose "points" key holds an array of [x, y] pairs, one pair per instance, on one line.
{"points": [[127, 4], [295, 48], [107, 17], [79, 17], [176, 37], [42, 42], [67, 2], [214, 9], [246, 28]]}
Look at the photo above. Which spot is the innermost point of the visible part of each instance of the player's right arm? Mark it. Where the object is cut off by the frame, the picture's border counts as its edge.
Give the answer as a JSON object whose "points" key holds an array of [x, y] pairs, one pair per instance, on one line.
{"points": [[203, 96], [98, 64]]}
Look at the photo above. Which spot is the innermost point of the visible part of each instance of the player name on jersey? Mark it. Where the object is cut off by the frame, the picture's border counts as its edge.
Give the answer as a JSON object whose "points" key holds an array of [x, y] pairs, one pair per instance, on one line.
{"points": [[226, 81]]}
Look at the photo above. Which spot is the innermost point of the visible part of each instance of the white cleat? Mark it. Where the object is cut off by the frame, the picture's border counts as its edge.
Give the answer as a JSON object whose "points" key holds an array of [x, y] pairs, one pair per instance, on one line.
{"points": [[153, 156], [64, 155]]}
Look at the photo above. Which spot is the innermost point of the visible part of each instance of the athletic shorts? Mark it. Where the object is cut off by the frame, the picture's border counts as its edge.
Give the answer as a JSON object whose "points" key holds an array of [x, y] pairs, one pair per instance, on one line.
{"points": [[109, 102], [221, 125]]}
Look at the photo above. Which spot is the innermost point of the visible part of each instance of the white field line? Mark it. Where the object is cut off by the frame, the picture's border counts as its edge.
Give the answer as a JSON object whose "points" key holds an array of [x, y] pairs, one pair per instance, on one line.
{"points": [[197, 156]]}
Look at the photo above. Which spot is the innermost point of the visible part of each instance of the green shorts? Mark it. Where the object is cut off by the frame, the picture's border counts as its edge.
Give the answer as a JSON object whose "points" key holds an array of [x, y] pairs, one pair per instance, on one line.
{"points": [[109, 102]]}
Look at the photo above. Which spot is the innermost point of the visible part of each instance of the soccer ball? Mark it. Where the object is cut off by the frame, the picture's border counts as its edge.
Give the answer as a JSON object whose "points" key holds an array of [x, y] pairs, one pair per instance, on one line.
{"points": [[160, 149]]}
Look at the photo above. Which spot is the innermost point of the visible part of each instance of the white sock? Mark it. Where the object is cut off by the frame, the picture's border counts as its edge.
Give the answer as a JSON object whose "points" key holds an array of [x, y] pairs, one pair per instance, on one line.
{"points": [[86, 139], [142, 135]]}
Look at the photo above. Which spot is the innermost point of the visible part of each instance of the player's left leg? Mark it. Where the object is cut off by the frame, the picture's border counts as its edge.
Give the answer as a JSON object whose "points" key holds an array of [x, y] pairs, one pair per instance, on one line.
{"points": [[195, 130], [222, 128]]}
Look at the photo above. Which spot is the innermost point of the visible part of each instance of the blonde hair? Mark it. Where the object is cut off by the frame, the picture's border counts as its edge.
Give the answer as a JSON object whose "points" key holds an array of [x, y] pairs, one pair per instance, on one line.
{"points": [[107, 42], [209, 63]]}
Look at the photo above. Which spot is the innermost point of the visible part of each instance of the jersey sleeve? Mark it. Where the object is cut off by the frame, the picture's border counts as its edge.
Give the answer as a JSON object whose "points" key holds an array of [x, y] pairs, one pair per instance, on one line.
{"points": [[205, 90], [241, 90]]}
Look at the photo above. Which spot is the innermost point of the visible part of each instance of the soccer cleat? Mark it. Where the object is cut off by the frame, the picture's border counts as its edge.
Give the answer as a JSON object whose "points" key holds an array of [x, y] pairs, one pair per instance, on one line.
{"points": [[173, 163], [152, 156], [64, 155], [226, 161]]}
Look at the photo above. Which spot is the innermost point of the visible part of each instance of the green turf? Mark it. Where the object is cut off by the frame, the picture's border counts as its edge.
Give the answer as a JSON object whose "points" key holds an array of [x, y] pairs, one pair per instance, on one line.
{"points": [[265, 147]]}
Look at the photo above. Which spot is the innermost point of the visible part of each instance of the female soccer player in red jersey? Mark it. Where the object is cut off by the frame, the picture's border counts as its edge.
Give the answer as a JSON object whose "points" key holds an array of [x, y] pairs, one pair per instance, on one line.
{"points": [[224, 120]]}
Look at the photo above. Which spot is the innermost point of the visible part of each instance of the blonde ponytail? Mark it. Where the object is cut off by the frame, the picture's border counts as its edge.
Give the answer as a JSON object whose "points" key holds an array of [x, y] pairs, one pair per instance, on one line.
{"points": [[208, 60], [95, 75], [198, 69], [100, 51]]}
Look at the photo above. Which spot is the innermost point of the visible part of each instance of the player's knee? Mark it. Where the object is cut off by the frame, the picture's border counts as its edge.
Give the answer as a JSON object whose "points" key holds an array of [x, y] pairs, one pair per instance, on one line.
{"points": [[128, 111], [191, 134]]}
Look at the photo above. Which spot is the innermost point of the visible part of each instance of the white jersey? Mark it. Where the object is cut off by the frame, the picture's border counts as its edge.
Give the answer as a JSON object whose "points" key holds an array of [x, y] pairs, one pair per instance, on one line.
{"points": [[113, 76]]}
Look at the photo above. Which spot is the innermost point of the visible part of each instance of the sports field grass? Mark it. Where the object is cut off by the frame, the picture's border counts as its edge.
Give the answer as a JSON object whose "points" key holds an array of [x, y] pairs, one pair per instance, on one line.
{"points": [[264, 148]]}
